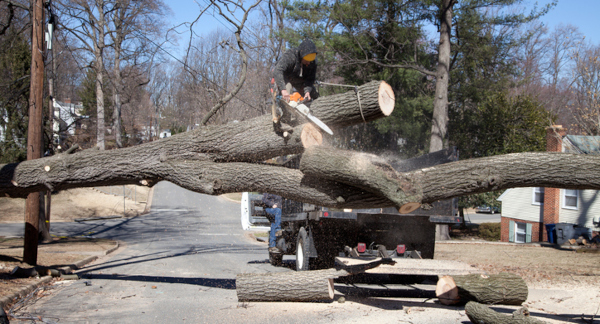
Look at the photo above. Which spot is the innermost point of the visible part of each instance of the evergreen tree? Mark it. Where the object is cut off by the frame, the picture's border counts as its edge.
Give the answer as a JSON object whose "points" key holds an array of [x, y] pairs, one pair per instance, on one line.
{"points": [[15, 62]]}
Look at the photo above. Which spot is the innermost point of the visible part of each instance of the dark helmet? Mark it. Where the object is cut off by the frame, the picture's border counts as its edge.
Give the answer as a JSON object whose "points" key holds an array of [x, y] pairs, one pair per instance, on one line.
{"points": [[306, 48]]}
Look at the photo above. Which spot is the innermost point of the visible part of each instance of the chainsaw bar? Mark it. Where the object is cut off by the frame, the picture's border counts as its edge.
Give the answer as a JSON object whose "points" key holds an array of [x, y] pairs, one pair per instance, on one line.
{"points": [[305, 111]]}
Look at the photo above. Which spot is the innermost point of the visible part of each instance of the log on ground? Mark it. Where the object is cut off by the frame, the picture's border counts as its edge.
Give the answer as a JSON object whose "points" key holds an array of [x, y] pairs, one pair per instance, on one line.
{"points": [[479, 313], [287, 286], [502, 288]]}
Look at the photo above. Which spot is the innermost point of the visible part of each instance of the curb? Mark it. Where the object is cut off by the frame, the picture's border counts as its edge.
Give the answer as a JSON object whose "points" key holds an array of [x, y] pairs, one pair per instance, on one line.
{"points": [[5, 300], [24, 291]]}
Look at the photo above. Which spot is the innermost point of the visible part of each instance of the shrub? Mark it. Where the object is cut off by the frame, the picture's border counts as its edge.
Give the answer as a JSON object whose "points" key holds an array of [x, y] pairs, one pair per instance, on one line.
{"points": [[490, 231]]}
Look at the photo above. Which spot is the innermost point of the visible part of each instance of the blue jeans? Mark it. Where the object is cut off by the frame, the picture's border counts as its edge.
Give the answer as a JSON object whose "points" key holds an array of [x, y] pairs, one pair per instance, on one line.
{"points": [[275, 225]]}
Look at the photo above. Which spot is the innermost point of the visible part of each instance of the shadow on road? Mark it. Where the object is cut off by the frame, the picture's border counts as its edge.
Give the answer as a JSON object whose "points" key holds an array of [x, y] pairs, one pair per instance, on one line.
{"points": [[206, 282]]}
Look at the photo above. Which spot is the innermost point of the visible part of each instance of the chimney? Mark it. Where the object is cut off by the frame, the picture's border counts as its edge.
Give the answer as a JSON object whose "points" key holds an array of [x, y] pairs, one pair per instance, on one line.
{"points": [[68, 100], [554, 136]]}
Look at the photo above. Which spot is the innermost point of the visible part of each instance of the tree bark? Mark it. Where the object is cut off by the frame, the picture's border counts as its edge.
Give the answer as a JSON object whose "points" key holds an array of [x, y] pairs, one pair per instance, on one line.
{"points": [[439, 125], [366, 171], [503, 288], [377, 100], [287, 286], [220, 159], [99, 68], [479, 313]]}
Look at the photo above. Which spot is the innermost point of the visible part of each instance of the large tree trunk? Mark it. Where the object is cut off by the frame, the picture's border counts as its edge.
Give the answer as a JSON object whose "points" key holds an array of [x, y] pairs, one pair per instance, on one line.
{"points": [[99, 68], [439, 123], [220, 159], [503, 289], [287, 286]]}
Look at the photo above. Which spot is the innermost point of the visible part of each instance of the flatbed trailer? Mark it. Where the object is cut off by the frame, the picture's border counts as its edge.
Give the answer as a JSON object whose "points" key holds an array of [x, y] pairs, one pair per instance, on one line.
{"points": [[317, 235]]}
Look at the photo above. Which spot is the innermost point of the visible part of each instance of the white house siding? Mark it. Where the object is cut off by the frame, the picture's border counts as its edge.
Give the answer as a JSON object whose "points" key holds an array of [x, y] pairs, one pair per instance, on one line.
{"points": [[588, 204], [517, 204]]}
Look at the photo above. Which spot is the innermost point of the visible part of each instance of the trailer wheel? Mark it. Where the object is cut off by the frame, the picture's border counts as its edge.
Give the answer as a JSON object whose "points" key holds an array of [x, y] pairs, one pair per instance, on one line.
{"points": [[302, 246]]}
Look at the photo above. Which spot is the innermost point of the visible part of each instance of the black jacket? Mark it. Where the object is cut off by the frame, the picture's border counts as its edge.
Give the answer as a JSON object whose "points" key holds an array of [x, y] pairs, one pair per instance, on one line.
{"points": [[289, 68], [271, 199]]}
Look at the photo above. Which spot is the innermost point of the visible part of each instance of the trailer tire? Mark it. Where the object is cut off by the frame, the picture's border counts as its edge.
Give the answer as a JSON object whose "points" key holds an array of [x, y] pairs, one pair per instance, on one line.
{"points": [[302, 248]]}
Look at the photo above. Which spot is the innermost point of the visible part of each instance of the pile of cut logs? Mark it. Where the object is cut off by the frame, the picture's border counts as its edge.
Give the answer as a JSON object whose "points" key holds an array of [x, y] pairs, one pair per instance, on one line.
{"points": [[474, 291]]}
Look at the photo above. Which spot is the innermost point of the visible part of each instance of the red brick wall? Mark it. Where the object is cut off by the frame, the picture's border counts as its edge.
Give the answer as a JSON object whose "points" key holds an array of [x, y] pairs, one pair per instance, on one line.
{"points": [[554, 136], [538, 231]]}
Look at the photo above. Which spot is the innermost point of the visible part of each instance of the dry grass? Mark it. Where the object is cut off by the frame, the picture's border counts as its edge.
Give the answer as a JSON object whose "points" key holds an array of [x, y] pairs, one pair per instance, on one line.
{"points": [[539, 266]]}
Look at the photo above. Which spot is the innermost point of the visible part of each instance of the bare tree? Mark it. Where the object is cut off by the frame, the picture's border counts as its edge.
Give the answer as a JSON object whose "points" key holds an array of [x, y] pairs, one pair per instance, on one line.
{"points": [[228, 10], [586, 89], [133, 23], [86, 21]]}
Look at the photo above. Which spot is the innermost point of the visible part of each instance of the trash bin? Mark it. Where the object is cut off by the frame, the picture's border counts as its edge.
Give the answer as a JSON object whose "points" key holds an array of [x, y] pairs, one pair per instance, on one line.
{"points": [[564, 232], [551, 233]]}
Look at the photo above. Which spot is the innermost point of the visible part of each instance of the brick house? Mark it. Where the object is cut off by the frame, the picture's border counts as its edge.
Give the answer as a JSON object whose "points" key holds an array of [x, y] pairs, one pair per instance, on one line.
{"points": [[526, 211]]}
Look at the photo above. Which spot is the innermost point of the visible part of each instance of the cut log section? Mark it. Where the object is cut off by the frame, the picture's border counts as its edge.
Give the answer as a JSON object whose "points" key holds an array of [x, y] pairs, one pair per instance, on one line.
{"points": [[479, 313], [311, 136], [377, 100], [287, 286], [503, 288], [366, 171]]}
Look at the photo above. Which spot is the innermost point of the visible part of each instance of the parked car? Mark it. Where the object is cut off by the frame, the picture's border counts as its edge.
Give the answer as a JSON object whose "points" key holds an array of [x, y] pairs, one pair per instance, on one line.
{"points": [[487, 209]]}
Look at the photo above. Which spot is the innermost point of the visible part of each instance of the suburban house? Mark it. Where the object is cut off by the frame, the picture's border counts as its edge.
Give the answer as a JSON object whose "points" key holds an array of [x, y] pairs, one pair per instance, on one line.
{"points": [[67, 116], [526, 211]]}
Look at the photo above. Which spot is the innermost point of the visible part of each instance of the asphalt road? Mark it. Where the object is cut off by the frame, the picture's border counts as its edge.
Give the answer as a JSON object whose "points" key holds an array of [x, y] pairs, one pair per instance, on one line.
{"points": [[179, 265], [476, 218]]}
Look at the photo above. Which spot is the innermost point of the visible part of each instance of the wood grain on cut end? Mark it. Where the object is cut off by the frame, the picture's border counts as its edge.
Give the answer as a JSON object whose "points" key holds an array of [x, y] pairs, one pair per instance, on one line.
{"points": [[387, 99], [311, 136], [331, 288], [409, 207], [446, 291]]}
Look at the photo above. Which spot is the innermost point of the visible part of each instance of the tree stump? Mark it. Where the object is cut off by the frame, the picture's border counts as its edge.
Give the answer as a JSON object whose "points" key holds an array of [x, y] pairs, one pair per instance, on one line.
{"points": [[479, 313], [287, 286], [503, 288]]}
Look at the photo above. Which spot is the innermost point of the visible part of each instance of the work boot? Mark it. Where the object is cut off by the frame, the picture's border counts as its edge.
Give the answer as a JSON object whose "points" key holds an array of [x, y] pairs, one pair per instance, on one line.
{"points": [[274, 249]]}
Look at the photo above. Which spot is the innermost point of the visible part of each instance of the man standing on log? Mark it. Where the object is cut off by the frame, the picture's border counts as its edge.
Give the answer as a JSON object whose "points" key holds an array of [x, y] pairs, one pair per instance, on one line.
{"points": [[273, 205], [297, 69]]}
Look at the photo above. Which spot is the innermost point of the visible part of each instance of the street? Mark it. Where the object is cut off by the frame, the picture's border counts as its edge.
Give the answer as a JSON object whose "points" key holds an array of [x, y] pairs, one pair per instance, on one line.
{"points": [[475, 218], [179, 263]]}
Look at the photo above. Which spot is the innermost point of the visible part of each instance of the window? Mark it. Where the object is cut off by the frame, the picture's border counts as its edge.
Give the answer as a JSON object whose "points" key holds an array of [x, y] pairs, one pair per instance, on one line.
{"points": [[538, 196], [519, 232], [570, 198]]}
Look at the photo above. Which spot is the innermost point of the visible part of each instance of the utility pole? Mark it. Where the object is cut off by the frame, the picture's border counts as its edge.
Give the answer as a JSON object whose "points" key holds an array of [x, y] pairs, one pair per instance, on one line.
{"points": [[34, 133], [49, 41]]}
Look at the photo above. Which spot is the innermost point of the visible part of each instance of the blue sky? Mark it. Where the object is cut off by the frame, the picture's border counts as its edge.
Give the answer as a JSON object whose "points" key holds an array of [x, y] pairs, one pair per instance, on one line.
{"points": [[580, 13]]}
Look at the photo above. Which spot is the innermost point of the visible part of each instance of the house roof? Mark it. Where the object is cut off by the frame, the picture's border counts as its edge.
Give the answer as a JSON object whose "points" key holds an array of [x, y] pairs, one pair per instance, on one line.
{"points": [[582, 144], [503, 194]]}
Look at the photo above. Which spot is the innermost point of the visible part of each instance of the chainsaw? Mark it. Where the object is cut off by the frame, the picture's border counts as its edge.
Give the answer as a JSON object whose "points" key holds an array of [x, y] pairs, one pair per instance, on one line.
{"points": [[298, 103]]}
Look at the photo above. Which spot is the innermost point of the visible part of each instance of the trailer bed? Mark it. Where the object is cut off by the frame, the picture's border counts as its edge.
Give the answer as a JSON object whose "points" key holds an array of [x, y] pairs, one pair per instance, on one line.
{"points": [[408, 266]]}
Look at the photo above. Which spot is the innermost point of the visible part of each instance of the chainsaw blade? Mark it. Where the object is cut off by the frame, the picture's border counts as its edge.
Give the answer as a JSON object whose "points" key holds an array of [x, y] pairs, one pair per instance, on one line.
{"points": [[319, 123]]}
